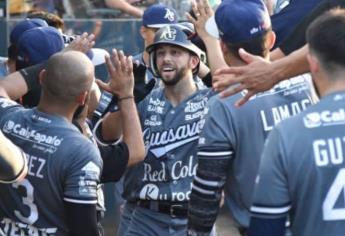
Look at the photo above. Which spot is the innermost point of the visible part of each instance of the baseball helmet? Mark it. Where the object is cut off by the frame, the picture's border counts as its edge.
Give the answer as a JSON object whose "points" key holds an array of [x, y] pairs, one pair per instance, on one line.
{"points": [[173, 35]]}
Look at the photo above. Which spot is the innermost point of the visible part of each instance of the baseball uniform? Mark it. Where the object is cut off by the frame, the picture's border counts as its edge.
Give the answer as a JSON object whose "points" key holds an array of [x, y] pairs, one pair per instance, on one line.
{"points": [[302, 171], [63, 166], [230, 147], [165, 176]]}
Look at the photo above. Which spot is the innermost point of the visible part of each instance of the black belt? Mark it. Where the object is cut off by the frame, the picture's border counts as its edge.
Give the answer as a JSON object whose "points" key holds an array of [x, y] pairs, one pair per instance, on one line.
{"points": [[174, 209]]}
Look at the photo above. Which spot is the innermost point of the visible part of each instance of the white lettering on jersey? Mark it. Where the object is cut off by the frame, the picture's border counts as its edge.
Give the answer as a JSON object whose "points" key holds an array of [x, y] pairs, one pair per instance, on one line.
{"points": [[151, 192], [329, 151], [88, 182], [32, 135], [196, 106], [159, 143], [324, 118], [287, 87], [19, 228], [35, 166], [177, 171], [279, 113]]}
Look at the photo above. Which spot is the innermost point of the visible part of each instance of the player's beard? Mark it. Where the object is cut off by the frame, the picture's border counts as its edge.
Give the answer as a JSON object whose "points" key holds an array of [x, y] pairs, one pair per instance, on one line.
{"points": [[180, 73]]}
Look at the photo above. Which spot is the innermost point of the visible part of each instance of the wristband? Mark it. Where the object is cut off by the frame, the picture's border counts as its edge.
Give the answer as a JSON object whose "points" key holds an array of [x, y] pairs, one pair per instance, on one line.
{"points": [[127, 97]]}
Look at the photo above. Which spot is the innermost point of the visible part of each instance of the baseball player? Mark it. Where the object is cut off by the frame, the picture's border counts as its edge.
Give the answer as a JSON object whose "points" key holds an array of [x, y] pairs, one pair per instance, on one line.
{"points": [[157, 189], [232, 139], [12, 161], [59, 194], [155, 17], [302, 170]]}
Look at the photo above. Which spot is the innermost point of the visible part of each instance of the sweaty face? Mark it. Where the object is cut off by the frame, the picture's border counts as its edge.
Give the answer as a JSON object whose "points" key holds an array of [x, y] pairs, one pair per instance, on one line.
{"points": [[173, 63]]}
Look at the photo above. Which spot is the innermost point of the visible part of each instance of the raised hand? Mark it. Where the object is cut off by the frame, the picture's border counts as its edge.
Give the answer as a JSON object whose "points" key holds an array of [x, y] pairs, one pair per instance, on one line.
{"points": [[202, 12], [120, 68], [254, 77], [82, 43]]}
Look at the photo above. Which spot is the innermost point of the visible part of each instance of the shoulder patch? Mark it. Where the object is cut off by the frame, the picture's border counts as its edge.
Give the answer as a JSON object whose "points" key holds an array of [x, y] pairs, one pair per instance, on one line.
{"points": [[91, 167]]}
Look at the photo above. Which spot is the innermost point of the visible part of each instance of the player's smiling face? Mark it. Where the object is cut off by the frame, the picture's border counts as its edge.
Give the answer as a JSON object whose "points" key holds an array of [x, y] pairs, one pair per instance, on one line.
{"points": [[173, 63]]}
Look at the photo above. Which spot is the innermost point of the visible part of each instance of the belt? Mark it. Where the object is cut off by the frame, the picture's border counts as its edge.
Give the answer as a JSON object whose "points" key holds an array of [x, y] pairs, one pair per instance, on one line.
{"points": [[173, 209]]}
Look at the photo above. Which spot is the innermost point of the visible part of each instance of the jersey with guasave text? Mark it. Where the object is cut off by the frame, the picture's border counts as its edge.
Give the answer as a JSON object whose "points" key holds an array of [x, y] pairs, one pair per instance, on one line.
{"points": [[170, 135]]}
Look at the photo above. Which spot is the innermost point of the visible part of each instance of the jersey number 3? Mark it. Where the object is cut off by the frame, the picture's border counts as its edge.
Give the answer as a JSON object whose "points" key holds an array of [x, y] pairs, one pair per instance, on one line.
{"points": [[336, 190], [28, 200]]}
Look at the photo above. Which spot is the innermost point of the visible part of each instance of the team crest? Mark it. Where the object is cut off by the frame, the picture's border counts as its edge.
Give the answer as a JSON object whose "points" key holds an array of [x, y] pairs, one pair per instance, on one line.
{"points": [[168, 34], [170, 15]]}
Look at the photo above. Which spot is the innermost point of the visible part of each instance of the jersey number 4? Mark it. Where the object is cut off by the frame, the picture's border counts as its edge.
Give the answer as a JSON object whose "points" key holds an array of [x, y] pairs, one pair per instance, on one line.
{"points": [[336, 191], [28, 200]]}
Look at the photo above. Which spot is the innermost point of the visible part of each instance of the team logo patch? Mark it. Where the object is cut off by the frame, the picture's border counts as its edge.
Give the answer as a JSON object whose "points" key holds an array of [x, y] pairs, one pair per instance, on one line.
{"points": [[91, 168], [88, 182], [324, 118], [149, 192]]}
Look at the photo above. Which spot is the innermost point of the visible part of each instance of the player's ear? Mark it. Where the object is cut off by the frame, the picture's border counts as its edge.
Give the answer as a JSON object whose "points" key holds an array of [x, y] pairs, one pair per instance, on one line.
{"points": [[82, 98], [143, 31], [194, 61], [41, 76], [224, 48], [271, 39], [314, 64]]}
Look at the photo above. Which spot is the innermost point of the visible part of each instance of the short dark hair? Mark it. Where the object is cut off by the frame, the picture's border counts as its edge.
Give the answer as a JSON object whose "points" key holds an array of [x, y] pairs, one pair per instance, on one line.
{"points": [[256, 45], [326, 39], [51, 19]]}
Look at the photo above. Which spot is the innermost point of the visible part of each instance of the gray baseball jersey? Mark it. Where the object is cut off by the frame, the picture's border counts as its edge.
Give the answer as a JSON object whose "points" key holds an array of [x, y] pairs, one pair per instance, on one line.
{"points": [[239, 133], [63, 166], [170, 136], [303, 170]]}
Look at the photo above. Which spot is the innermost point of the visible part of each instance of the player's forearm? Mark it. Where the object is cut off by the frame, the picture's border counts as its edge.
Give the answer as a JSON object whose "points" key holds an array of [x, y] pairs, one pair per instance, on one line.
{"points": [[81, 219], [276, 54], [206, 195], [112, 126], [214, 54], [95, 95], [13, 86], [12, 161], [132, 133], [125, 7], [294, 64]]}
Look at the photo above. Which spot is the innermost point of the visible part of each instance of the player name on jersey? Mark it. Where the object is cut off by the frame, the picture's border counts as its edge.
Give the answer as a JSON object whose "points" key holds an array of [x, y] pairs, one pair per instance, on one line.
{"points": [[35, 166], [329, 151], [272, 117], [12, 228]]}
